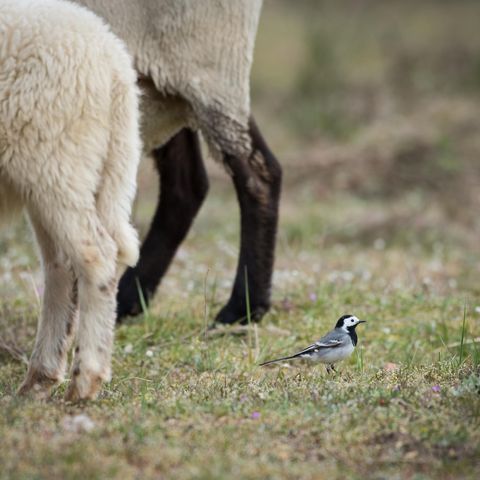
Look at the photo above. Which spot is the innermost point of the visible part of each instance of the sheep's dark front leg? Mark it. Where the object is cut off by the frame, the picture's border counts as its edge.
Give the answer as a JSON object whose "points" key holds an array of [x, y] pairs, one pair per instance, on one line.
{"points": [[183, 187], [257, 181]]}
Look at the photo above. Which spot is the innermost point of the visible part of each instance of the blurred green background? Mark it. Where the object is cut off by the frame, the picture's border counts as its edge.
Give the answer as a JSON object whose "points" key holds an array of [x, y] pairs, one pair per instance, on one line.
{"points": [[376, 99]]}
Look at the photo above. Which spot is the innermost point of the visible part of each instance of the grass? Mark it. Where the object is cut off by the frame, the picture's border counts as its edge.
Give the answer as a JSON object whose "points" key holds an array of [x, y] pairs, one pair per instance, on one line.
{"points": [[185, 405]]}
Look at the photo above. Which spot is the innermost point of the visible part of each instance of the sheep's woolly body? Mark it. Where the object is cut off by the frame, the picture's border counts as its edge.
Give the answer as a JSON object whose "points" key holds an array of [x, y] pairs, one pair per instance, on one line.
{"points": [[201, 51], [69, 151], [59, 95]]}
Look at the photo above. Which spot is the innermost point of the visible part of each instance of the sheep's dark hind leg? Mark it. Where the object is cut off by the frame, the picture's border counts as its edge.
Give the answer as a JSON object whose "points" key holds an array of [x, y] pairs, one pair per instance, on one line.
{"points": [[183, 187], [257, 181]]}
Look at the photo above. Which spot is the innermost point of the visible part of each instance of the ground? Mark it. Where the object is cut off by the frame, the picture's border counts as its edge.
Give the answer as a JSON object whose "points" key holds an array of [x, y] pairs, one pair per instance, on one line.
{"points": [[378, 219], [188, 404]]}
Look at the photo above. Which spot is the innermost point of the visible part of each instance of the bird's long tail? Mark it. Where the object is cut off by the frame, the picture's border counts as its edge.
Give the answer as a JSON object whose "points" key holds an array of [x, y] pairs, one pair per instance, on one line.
{"points": [[279, 360]]}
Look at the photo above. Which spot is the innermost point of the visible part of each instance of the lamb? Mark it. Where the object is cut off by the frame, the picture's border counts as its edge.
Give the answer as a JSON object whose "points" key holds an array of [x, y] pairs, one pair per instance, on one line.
{"points": [[69, 152], [193, 60]]}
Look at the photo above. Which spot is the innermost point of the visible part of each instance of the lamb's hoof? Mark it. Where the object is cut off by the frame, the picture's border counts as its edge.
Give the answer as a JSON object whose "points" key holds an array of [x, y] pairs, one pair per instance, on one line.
{"points": [[84, 386], [37, 385], [72, 394], [231, 314]]}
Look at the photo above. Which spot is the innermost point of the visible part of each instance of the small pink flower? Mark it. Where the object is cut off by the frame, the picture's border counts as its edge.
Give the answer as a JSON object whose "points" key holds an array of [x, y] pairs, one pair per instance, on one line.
{"points": [[391, 367], [436, 388], [313, 297], [287, 305], [255, 415]]}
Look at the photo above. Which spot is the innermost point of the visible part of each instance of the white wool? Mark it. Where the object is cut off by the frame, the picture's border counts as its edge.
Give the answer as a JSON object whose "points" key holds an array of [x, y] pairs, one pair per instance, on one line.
{"points": [[198, 50], [69, 152]]}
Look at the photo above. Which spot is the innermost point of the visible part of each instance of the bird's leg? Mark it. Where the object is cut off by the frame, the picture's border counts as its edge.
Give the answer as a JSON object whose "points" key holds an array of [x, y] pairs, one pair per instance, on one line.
{"points": [[330, 368]]}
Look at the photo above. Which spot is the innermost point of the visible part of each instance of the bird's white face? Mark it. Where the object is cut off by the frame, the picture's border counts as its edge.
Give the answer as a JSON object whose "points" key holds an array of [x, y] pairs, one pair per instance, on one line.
{"points": [[351, 322]]}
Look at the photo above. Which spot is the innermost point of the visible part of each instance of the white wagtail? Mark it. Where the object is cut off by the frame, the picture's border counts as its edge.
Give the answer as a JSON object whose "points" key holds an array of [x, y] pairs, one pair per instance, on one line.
{"points": [[335, 346]]}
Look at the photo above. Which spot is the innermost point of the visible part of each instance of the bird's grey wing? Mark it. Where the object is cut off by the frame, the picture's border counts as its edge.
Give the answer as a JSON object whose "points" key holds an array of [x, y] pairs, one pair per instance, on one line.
{"points": [[332, 339], [328, 341]]}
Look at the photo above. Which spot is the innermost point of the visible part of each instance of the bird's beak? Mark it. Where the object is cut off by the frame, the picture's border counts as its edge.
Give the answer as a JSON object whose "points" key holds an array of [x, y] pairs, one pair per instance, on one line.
{"points": [[362, 321]]}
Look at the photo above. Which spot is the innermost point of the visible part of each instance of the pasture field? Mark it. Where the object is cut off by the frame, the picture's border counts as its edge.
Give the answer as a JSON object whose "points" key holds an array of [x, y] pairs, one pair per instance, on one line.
{"points": [[379, 218], [186, 404]]}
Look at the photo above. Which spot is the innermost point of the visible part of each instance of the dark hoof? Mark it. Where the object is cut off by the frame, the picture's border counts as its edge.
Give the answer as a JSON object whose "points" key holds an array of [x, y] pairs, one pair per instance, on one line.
{"points": [[127, 310], [229, 315], [128, 298]]}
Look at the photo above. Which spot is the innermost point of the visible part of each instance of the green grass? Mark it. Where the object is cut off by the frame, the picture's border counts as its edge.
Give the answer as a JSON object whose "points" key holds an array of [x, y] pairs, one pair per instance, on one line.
{"points": [[198, 406]]}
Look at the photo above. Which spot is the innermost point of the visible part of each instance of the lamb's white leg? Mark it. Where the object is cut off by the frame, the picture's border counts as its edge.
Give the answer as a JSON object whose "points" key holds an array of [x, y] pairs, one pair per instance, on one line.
{"points": [[91, 365], [92, 254], [58, 320], [95, 261]]}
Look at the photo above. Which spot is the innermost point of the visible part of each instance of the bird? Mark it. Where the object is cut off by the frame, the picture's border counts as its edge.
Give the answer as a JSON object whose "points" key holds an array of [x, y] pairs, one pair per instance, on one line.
{"points": [[336, 345]]}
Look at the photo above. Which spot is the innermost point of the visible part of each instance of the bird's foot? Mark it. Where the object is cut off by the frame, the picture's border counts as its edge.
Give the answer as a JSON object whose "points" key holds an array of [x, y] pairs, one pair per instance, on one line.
{"points": [[331, 369]]}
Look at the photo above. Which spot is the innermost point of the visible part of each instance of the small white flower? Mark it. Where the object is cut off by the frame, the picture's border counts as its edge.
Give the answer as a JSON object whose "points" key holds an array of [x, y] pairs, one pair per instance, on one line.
{"points": [[128, 348], [149, 353]]}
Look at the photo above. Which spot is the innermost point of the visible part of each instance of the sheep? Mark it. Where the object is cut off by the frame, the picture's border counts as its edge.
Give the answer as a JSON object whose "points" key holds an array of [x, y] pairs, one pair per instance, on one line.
{"points": [[193, 60], [69, 153]]}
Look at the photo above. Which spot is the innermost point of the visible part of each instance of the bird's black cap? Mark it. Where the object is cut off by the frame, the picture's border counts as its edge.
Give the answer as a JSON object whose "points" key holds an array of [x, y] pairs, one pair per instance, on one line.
{"points": [[341, 320]]}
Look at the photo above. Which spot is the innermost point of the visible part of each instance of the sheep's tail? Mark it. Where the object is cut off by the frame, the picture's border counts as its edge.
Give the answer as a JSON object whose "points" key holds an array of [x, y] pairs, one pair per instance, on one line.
{"points": [[117, 192]]}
